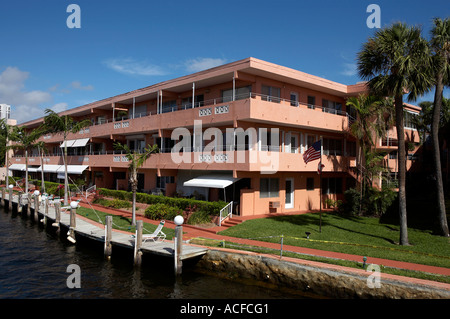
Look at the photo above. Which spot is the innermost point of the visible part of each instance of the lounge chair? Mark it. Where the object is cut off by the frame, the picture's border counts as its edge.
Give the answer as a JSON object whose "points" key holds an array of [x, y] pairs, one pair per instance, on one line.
{"points": [[157, 234]]}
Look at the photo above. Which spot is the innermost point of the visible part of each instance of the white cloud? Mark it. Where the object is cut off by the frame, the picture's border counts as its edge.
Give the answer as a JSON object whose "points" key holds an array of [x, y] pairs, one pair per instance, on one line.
{"points": [[25, 104], [200, 64], [77, 85], [133, 67], [350, 69], [59, 107]]}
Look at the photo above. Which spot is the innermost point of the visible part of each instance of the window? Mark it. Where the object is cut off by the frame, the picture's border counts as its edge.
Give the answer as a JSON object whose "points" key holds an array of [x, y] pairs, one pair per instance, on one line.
{"points": [[332, 185], [331, 106], [294, 99], [240, 93], [270, 93], [269, 187], [393, 155], [311, 102], [310, 184], [351, 149], [332, 146], [310, 139], [409, 120], [169, 106], [269, 140], [187, 102], [163, 180]]}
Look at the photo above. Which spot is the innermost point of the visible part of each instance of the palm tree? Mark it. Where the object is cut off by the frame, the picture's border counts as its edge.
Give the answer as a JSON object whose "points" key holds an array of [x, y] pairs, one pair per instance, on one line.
{"points": [[25, 139], [395, 62], [5, 131], [64, 125], [440, 46], [136, 159]]}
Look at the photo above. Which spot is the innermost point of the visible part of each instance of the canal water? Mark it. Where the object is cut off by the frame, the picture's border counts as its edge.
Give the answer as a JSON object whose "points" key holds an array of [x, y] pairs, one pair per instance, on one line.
{"points": [[34, 264]]}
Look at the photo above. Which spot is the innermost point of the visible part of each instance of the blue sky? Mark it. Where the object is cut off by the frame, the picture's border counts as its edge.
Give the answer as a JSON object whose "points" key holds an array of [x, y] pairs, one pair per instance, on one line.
{"points": [[126, 45]]}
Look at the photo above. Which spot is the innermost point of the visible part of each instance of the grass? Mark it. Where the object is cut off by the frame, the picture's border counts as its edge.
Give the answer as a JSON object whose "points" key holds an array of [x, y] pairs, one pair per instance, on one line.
{"points": [[120, 222], [364, 236]]}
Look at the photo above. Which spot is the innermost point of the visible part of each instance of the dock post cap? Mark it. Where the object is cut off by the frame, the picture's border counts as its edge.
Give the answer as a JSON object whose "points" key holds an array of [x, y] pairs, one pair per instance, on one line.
{"points": [[179, 220], [74, 204], [10, 186], [36, 193]]}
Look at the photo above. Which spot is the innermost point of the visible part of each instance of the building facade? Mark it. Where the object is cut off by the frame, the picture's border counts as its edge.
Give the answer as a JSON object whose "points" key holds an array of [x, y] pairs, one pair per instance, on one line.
{"points": [[236, 132]]}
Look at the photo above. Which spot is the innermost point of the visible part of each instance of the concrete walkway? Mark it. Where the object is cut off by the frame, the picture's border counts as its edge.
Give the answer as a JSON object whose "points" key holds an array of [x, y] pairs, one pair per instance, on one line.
{"points": [[210, 233]]}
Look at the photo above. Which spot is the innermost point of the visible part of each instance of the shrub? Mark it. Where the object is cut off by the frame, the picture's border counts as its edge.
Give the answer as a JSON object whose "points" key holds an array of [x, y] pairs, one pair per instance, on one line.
{"points": [[162, 211], [199, 217], [119, 203], [350, 205], [210, 208]]}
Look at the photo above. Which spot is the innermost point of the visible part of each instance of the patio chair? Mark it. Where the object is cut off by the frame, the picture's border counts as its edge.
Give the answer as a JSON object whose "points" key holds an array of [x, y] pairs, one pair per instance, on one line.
{"points": [[157, 234]]}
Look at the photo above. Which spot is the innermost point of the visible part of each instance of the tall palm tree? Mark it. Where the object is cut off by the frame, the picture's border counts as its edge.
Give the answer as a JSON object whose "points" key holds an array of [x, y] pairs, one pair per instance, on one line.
{"points": [[25, 139], [5, 131], [136, 160], [440, 46], [64, 125], [395, 62]]}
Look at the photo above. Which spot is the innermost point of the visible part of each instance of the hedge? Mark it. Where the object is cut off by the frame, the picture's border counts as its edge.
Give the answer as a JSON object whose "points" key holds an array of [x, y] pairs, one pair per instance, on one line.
{"points": [[210, 208]]}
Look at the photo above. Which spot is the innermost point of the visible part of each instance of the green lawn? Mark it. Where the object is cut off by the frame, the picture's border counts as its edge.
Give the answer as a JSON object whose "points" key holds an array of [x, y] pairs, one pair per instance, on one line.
{"points": [[353, 235], [121, 223]]}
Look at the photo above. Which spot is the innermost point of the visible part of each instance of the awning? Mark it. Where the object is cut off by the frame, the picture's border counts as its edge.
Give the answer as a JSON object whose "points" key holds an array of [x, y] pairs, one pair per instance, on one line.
{"points": [[33, 169], [72, 169], [17, 167], [75, 143], [48, 168], [212, 181]]}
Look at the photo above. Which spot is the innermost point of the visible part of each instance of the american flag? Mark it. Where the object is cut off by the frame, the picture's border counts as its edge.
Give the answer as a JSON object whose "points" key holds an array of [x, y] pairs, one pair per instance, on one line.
{"points": [[313, 152]]}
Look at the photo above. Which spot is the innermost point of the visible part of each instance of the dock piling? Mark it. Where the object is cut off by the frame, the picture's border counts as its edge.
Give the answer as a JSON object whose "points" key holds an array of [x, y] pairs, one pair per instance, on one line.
{"points": [[138, 243], [108, 237], [36, 207], [28, 204], [19, 203], [178, 249], [73, 225], [2, 202], [10, 198]]}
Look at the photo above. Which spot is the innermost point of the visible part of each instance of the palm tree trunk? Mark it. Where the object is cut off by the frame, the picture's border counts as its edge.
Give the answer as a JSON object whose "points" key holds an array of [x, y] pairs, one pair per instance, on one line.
{"points": [[26, 171], [401, 170], [66, 183], [437, 157], [133, 219]]}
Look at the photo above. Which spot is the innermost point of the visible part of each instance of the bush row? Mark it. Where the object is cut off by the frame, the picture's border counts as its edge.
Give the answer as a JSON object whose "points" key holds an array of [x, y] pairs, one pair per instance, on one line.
{"points": [[208, 208]]}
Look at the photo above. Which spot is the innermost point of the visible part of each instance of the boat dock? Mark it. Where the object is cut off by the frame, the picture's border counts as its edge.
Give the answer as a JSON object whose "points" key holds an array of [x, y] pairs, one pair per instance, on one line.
{"points": [[58, 217]]}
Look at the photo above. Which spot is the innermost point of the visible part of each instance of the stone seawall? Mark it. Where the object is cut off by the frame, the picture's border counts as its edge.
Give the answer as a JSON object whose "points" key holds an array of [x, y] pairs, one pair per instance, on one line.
{"points": [[315, 278]]}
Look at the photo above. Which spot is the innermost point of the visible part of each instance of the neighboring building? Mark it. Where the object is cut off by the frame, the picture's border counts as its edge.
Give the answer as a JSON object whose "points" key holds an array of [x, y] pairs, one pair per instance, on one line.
{"points": [[5, 111], [238, 103]]}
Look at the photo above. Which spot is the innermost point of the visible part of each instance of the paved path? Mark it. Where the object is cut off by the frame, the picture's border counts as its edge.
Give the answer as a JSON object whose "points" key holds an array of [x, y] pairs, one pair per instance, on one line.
{"points": [[194, 232]]}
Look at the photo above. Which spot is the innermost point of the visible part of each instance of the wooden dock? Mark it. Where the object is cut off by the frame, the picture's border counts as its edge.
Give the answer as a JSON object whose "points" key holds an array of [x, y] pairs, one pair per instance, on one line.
{"points": [[49, 214]]}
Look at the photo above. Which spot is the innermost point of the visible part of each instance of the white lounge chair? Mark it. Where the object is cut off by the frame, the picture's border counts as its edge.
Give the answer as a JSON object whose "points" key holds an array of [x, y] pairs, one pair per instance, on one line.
{"points": [[157, 234]]}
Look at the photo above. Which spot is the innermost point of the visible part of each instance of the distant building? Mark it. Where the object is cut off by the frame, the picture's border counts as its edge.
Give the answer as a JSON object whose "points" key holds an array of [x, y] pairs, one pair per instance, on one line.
{"points": [[5, 111]]}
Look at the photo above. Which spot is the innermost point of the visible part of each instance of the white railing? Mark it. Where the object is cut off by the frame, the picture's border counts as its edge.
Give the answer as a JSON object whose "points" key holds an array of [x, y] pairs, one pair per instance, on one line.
{"points": [[90, 190], [225, 212]]}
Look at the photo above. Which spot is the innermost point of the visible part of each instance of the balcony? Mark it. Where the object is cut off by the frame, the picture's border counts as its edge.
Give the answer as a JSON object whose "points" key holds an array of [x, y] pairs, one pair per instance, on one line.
{"points": [[248, 107]]}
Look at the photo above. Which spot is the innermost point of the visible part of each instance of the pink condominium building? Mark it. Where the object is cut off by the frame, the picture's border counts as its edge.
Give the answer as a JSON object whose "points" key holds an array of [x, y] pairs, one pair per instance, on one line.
{"points": [[236, 132]]}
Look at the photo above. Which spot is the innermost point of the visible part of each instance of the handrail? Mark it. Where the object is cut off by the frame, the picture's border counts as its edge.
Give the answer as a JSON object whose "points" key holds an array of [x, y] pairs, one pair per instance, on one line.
{"points": [[228, 210]]}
